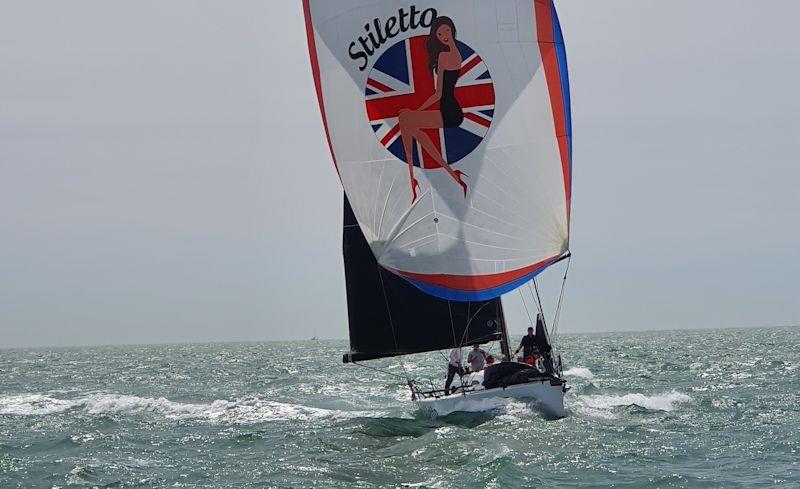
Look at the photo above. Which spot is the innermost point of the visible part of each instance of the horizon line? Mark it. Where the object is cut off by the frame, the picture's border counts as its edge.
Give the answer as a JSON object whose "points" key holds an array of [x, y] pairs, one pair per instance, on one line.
{"points": [[232, 342]]}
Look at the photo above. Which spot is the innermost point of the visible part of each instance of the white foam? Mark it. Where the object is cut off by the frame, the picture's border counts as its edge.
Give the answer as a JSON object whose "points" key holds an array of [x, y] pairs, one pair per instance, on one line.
{"points": [[516, 409], [599, 404], [581, 372], [34, 404], [250, 410]]}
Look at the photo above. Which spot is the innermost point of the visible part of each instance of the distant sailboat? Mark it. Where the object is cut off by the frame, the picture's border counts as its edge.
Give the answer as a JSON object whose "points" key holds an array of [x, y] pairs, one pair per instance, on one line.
{"points": [[450, 130]]}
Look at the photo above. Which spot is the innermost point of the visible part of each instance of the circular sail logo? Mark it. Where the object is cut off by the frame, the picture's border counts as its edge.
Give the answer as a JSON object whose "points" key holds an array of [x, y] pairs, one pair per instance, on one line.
{"points": [[411, 117]]}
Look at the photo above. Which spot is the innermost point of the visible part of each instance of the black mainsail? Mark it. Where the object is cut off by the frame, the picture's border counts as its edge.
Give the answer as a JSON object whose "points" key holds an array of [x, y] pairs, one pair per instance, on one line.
{"points": [[390, 317]]}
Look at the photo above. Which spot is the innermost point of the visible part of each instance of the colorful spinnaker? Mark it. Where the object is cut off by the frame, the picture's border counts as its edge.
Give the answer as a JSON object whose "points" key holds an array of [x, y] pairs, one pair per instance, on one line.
{"points": [[449, 125]]}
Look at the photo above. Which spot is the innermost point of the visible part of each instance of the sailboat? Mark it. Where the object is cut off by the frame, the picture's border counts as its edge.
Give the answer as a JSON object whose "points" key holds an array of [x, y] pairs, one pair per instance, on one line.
{"points": [[389, 317], [449, 127]]}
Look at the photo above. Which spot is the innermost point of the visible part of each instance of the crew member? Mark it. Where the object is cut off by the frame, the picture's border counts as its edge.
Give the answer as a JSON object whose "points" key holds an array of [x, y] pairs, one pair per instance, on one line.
{"points": [[453, 367], [476, 358], [527, 345]]}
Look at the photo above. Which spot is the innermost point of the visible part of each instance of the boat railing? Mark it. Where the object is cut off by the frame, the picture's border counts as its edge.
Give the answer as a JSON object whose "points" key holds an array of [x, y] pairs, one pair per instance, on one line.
{"points": [[437, 393]]}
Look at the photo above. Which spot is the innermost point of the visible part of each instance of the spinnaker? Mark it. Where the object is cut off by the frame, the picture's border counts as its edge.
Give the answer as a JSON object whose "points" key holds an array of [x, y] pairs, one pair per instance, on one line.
{"points": [[449, 125]]}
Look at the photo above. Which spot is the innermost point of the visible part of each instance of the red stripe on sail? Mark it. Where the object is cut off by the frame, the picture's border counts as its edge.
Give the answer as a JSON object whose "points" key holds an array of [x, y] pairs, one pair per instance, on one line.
{"points": [[378, 85], [474, 282], [312, 52], [545, 30], [470, 65], [477, 119], [390, 135]]}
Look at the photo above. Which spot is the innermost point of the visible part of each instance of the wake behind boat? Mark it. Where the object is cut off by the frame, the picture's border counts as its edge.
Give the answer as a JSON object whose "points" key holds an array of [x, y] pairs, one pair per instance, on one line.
{"points": [[450, 130]]}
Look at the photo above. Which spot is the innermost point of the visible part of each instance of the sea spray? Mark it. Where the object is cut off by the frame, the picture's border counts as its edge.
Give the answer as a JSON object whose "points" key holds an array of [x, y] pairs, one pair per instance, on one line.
{"points": [[249, 410], [579, 372]]}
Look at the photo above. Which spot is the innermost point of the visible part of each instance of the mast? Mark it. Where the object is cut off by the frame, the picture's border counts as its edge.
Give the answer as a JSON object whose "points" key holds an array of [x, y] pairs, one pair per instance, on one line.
{"points": [[504, 349]]}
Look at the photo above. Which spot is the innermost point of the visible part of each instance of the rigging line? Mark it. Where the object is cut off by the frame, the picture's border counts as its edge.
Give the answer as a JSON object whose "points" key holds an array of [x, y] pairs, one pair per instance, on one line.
{"points": [[473, 316], [459, 344], [452, 325], [533, 296], [469, 320], [560, 300], [386, 202], [538, 298], [521, 296], [530, 292], [466, 326], [379, 370], [391, 323]]}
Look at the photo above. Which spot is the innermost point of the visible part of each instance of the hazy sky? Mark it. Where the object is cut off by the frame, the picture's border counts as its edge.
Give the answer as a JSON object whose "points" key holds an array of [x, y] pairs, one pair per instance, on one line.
{"points": [[164, 174]]}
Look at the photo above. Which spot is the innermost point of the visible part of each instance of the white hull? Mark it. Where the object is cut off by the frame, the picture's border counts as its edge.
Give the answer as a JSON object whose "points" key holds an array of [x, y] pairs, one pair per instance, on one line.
{"points": [[549, 398]]}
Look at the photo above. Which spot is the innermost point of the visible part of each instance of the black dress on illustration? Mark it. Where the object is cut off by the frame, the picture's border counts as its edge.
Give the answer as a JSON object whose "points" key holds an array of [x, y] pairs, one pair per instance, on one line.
{"points": [[452, 115], [443, 53]]}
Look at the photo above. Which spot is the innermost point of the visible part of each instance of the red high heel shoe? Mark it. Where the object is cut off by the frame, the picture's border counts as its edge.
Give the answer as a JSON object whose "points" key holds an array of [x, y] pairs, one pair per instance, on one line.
{"points": [[460, 174], [414, 187]]}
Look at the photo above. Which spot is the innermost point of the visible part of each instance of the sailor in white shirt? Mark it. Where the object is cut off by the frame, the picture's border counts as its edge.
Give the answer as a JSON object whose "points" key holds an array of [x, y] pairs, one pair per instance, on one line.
{"points": [[476, 358], [454, 367]]}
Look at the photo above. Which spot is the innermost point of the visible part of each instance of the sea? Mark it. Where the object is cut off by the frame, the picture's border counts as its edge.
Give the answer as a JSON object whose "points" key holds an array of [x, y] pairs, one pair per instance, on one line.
{"points": [[699, 408]]}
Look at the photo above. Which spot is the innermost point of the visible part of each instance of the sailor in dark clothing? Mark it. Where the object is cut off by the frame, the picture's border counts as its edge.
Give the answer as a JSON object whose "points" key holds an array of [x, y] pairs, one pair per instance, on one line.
{"points": [[527, 345]]}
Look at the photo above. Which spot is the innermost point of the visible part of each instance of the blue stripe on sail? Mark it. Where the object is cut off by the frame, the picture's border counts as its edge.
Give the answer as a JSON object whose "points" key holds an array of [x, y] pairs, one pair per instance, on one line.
{"points": [[489, 112], [369, 91], [561, 55], [472, 295]]}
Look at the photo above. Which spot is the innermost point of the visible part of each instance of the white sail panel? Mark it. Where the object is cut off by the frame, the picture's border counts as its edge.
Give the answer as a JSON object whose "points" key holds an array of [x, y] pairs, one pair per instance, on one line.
{"points": [[470, 100]]}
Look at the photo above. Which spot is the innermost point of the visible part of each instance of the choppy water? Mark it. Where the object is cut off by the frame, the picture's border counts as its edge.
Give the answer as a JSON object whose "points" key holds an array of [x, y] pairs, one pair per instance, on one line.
{"points": [[672, 409]]}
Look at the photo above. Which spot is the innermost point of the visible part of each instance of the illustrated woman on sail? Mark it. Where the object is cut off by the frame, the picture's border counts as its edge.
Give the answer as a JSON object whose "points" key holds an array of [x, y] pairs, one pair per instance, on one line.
{"points": [[444, 61]]}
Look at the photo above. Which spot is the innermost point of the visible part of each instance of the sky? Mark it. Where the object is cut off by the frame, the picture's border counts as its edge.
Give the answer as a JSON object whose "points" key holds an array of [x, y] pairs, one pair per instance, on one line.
{"points": [[164, 175]]}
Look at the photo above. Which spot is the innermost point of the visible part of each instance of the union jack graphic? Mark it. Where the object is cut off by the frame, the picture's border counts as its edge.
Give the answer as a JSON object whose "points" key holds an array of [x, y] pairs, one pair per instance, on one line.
{"points": [[401, 79]]}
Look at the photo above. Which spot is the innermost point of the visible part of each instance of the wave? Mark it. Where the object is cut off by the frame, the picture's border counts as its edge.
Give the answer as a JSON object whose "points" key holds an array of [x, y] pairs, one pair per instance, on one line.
{"points": [[34, 404], [249, 410], [581, 372], [394, 427], [600, 405]]}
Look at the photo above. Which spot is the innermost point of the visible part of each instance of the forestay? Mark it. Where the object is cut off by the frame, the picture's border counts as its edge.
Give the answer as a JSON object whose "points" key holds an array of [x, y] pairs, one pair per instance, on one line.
{"points": [[449, 125]]}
